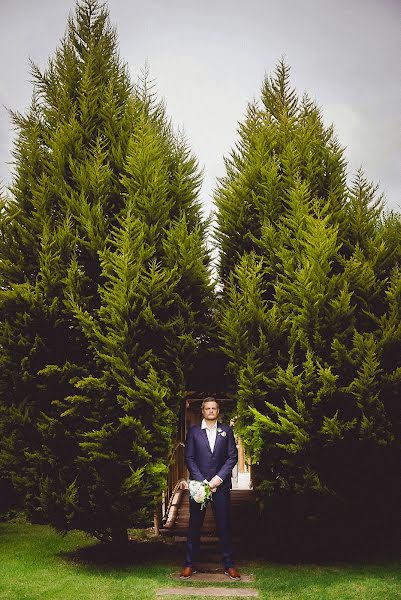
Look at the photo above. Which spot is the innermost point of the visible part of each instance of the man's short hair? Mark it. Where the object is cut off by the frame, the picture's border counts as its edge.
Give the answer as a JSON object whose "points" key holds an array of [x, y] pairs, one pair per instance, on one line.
{"points": [[211, 399]]}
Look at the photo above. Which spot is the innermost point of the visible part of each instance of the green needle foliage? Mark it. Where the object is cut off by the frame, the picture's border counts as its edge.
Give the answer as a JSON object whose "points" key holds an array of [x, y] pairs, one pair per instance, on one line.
{"points": [[105, 290], [309, 319]]}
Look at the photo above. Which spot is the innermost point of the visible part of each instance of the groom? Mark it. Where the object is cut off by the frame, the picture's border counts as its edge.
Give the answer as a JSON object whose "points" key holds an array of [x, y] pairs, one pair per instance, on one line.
{"points": [[210, 454]]}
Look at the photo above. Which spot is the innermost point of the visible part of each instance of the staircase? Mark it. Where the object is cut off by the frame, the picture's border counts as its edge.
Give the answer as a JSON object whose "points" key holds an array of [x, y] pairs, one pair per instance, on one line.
{"points": [[243, 515]]}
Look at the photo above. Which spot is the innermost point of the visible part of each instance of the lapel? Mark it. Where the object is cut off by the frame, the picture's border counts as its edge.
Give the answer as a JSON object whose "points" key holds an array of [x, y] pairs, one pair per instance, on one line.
{"points": [[205, 440], [218, 437]]}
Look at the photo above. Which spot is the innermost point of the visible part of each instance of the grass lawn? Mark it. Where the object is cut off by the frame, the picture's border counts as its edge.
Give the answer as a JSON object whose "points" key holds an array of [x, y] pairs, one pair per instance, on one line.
{"points": [[38, 564]]}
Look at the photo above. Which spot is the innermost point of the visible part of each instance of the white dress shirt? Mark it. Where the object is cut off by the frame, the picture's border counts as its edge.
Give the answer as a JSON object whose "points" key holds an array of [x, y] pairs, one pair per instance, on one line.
{"points": [[211, 433]]}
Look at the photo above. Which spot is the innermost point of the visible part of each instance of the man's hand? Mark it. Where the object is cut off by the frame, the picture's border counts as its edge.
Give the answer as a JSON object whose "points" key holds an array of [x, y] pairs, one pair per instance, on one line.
{"points": [[214, 483]]}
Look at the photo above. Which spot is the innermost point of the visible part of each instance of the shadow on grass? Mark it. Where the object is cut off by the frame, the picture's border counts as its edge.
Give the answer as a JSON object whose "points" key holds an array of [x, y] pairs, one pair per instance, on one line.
{"points": [[136, 554], [155, 552]]}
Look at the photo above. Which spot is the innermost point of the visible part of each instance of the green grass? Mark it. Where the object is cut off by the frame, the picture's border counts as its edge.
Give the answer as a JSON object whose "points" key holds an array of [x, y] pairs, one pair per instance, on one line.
{"points": [[330, 582], [38, 564]]}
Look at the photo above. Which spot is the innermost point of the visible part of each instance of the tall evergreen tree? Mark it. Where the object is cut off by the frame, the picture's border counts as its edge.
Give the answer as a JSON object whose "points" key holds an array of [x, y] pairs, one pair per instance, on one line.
{"points": [[282, 140], [104, 287], [309, 314], [151, 318]]}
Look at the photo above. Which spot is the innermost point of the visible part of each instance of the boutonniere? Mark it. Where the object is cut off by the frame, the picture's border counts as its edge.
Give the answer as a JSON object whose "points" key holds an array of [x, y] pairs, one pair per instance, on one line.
{"points": [[221, 432]]}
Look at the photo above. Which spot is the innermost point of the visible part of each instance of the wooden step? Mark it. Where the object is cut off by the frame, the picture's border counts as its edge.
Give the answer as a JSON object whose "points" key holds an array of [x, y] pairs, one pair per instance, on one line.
{"points": [[242, 510], [182, 537]]}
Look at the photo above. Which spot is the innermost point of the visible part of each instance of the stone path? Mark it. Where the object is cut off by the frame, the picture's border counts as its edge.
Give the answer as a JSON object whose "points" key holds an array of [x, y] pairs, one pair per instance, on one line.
{"points": [[210, 572], [202, 592], [216, 578]]}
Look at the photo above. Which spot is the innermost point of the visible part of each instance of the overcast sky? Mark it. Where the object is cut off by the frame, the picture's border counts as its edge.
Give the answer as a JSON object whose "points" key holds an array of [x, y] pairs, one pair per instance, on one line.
{"points": [[209, 58]]}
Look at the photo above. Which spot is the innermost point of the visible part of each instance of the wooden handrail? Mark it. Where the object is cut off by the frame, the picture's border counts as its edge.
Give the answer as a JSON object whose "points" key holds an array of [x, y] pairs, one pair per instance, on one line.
{"points": [[176, 475], [172, 506], [172, 454]]}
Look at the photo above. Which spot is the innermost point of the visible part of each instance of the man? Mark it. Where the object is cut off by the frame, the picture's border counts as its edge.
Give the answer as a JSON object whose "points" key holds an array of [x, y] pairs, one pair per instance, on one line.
{"points": [[211, 454]]}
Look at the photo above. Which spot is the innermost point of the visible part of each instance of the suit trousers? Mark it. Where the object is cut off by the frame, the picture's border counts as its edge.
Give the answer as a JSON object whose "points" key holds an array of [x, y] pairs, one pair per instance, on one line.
{"points": [[221, 512]]}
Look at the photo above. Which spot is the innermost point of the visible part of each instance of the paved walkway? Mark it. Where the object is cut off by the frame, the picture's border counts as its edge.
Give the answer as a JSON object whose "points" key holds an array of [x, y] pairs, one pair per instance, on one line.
{"points": [[216, 578], [202, 592], [210, 572]]}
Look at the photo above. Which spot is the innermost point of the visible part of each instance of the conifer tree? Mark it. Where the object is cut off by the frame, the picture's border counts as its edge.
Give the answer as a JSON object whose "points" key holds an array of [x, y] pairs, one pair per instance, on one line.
{"points": [[309, 311], [104, 288], [282, 140], [152, 314]]}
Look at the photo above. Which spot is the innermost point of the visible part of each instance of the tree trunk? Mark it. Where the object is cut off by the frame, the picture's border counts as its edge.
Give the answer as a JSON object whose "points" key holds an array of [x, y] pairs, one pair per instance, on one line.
{"points": [[156, 522], [119, 537]]}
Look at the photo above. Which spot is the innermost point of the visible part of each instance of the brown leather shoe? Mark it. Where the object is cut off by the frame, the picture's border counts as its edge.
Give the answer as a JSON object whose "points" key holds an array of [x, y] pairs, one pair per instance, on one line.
{"points": [[187, 572], [233, 573]]}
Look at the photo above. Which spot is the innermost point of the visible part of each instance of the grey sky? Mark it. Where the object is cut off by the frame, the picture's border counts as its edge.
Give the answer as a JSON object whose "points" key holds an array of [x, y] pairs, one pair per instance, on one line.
{"points": [[209, 58]]}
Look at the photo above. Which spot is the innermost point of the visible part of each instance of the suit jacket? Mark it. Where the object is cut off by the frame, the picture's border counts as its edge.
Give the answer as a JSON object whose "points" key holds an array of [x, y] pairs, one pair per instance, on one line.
{"points": [[205, 464]]}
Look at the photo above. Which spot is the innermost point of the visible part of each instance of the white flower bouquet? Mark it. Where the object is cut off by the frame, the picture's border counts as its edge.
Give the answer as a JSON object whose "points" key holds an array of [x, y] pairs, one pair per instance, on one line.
{"points": [[200, 492]]}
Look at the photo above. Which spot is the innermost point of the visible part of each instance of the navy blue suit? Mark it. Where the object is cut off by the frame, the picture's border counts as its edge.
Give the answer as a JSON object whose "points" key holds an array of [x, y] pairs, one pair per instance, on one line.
{"points": [[205, 464]]}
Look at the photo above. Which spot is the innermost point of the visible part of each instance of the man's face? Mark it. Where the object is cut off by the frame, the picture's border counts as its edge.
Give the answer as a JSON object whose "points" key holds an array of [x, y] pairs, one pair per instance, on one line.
{"points": [[210, 410]]}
